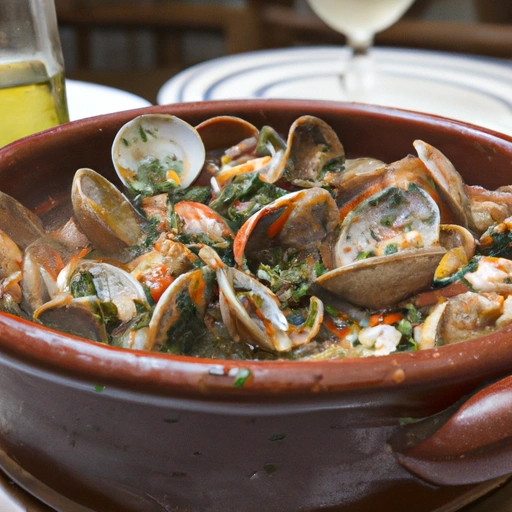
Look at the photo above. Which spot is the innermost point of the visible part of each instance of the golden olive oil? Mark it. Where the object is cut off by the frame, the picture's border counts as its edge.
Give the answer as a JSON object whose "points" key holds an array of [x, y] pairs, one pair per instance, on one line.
{"points": [[30, 100]]}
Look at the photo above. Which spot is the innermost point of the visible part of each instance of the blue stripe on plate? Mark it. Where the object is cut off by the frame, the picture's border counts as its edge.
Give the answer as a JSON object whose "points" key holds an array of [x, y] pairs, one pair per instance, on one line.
{"points": [[292, 56], [262, 91]]}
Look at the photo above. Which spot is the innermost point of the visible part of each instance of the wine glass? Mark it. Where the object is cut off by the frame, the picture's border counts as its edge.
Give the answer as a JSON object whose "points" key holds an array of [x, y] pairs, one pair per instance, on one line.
{"points": [[359, 21]]}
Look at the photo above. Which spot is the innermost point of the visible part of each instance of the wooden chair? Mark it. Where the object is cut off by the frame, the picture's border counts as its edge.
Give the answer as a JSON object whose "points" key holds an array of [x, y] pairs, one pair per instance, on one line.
{"points": [[167, 23], [281, 24]]}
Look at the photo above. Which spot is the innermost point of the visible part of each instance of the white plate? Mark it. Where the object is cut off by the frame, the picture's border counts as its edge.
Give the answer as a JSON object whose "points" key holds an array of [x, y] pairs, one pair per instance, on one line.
{"points": [[474, 89], [87, 99]]}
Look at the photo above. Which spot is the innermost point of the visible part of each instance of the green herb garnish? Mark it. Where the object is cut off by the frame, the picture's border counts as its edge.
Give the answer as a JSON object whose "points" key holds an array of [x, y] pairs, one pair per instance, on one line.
{"points": [[241, 377]]}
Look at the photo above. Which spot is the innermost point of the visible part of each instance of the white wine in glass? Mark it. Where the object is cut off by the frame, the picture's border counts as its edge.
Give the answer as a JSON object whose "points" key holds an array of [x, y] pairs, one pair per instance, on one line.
{"points": [[359, 21]]}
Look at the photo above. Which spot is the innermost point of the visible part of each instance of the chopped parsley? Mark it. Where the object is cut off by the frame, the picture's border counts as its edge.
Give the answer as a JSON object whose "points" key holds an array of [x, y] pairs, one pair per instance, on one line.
{"points": [[82, 284], [244, 196], [152, 176], [241, 377]]}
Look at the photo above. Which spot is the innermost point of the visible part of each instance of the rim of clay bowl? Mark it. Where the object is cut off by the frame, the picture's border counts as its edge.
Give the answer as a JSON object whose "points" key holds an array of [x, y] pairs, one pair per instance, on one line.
{"points": [[489, 356]]}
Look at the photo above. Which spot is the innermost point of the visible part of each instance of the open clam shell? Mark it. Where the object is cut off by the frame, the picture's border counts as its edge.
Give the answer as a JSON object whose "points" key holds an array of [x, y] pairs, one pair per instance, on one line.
{"points": [[461, 246], [303, 334], [300, 220], [94, 297], [10, 256], [448, 181], [112, 284], [390, 220], [452, 236], [222, 132], [105, 215], [183, 303], [45, 258], [18, 222], [266, 326], [383, 281], [11, 259], [250, 311], [78, 317], [155, 152], [311, 145]]}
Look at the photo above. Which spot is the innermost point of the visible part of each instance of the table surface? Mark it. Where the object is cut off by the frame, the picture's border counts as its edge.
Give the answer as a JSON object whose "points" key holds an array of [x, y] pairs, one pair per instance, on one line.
{"points": [[468, 88], [14, 499]]}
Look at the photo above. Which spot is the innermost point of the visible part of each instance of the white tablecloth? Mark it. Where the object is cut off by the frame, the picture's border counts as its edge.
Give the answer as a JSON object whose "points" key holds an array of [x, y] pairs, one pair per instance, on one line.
{"points": [[87, 99]]}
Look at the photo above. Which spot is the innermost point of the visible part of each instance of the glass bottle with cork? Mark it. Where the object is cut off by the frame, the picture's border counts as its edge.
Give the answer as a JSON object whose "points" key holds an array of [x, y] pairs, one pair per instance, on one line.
{"points": [[32, 88]]}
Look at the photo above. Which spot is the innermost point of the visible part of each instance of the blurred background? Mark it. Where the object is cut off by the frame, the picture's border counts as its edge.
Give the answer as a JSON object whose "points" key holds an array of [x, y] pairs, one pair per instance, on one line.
{"points": [[137, 45]]}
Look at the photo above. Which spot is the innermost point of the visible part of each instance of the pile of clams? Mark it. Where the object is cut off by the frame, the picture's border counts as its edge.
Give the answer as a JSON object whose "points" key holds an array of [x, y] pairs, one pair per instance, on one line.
{"points": [[271, 248]]}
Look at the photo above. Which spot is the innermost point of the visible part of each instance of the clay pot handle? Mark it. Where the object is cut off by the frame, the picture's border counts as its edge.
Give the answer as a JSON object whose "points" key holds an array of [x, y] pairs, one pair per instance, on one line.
{"points": [[468, 443]]}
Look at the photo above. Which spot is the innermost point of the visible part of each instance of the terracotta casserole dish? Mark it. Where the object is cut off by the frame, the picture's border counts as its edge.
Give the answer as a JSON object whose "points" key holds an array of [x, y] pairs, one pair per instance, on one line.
{"points": [[89, 427]]}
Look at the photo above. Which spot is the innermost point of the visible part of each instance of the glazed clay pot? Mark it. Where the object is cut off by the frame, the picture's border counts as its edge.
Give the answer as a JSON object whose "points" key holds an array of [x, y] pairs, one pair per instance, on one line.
{"points": [[85, 426]]}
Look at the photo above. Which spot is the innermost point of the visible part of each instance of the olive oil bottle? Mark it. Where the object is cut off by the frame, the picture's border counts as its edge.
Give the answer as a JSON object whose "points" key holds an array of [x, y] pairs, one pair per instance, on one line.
{"points": [[30, 100], [32, 87]]}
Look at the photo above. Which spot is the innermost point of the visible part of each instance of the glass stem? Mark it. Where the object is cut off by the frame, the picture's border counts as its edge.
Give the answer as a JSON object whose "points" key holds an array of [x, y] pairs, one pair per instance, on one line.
{"points": [[359, 77]]}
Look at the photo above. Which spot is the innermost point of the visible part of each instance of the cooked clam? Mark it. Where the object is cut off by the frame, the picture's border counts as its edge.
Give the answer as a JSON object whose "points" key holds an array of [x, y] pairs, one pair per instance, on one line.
{"points": [[104, 214], [11, 259], [221, 132], [462, 317], [389, 221], [183, 304], [452, 236], [383, 281], [304, 333], [157, 268], [448, 181], [257, 165], [102, 299], [45, 258], [18, 222], [489, 207], [313, 150], [80, 317], [109, 283], [156, 152], [250, 311], [300, 220]]}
